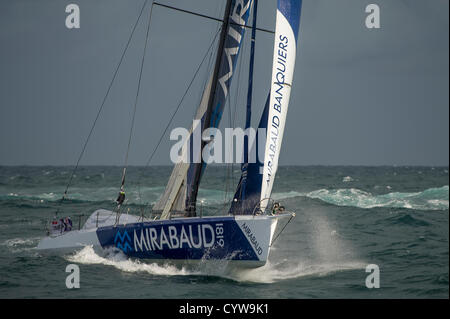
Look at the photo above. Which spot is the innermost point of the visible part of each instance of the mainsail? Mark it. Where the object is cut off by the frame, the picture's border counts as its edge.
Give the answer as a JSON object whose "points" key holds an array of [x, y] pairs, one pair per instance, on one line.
{"points": [[181, 191], [286, 32]]}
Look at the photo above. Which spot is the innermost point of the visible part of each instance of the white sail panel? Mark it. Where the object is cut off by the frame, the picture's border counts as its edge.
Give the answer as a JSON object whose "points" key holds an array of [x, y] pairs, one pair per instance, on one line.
{"points": [[174, 196], [282, 75]]}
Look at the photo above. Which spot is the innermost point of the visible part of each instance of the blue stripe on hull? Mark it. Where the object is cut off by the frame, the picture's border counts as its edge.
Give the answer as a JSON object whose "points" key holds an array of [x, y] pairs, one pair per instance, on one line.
{"points": [[184, 239]]}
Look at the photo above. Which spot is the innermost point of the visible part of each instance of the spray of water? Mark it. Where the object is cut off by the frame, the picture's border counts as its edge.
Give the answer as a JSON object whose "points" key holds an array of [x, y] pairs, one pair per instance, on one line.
{"points": [[320, 251]]}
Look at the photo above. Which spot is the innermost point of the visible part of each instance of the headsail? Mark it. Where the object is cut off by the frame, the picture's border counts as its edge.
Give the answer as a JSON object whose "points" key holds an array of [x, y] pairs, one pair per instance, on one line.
{"points": [[181, 191], [248, 192], [286, 32]]}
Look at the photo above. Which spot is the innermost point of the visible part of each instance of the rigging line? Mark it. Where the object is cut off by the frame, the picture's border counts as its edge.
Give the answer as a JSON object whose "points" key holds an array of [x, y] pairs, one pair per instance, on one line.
{"points": [[178, 106], [209, 17], [136, 99], [227, 180], [292, 216], [227, 186], [184, 95], [227, 167], [103, 103]]}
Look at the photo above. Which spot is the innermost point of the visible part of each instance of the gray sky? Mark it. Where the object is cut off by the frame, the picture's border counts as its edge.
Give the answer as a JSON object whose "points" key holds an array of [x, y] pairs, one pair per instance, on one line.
{"points": [[360, 96]]}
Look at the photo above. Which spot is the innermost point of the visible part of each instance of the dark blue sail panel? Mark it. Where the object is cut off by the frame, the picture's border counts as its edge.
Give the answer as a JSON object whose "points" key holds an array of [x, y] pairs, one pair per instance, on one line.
{"points": [[248, 192], [291, 10], [240, 11]]}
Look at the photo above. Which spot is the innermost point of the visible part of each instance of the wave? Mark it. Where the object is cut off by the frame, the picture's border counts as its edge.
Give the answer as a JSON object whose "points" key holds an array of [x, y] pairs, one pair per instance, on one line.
{"points": [[81, 195], [210, 197], [286, 195], [429, 199], [18, 245], [15, 242]]}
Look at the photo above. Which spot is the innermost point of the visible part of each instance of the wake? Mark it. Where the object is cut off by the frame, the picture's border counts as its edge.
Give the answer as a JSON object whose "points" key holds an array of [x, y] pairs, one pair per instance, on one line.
{"points": [[272, 272]]}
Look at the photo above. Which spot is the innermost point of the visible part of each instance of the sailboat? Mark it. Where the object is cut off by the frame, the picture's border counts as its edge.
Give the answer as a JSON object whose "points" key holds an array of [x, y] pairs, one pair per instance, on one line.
{"points": [[243, 234]]}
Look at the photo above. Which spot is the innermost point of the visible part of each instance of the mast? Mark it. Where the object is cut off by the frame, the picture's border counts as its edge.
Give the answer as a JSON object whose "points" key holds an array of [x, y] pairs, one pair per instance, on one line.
{"points": [[248, 115], [181, 191], [206, 121], [252, 62]]}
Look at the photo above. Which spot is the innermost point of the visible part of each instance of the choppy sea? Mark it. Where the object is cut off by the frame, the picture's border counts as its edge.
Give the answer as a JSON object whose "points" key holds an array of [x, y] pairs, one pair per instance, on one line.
{"points": [[346, 218]]}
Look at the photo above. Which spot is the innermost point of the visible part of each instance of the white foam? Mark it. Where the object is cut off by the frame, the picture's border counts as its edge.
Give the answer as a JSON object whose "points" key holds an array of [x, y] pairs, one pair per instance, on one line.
{"points": [[15, 242], [274, 272], [18, 245], [118, 260], [269, 273]]}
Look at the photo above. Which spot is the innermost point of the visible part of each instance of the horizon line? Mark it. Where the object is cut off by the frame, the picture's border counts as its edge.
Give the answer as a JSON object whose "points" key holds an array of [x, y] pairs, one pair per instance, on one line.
{"points": [[237, 164]]}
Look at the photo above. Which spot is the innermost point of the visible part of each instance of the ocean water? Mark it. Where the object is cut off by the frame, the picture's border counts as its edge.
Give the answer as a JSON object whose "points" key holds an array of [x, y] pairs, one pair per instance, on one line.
{"points": [[346, 218]]}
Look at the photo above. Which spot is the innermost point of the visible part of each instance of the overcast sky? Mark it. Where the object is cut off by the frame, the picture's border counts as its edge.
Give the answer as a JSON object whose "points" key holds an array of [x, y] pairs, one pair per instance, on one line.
{"points": [[360, 96]]}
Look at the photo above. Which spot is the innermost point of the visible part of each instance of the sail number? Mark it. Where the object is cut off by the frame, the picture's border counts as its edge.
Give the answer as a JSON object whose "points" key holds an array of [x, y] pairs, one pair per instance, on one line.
{"points": [[219, 235]]}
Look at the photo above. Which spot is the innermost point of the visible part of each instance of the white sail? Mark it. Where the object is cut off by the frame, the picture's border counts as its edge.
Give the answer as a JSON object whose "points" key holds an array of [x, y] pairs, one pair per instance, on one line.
{"points": [[174, 196], [287, 22]]}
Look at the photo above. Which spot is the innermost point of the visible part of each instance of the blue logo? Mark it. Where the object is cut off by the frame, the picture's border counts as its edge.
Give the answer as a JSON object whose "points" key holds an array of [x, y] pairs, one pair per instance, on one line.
{"points": [[123, 242]]}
